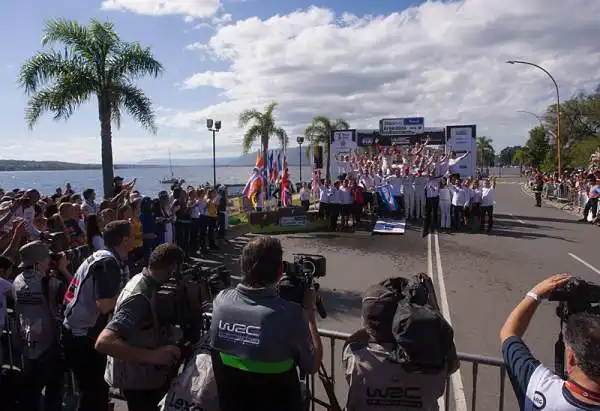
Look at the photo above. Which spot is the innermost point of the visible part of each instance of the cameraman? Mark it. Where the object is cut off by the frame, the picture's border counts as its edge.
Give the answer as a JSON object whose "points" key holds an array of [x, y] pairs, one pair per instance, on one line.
{"points": [[258, 338], [142, 355], [537, 387]]}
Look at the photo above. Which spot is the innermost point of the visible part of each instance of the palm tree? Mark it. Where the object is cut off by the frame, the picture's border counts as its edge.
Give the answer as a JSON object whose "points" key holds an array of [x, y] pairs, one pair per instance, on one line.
{"points": [[95, 64], [485, 151], [319, 132], [262, 128]]}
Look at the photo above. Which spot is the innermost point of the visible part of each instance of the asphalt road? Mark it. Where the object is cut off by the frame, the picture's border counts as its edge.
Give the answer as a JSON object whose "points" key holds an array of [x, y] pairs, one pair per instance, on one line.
{"points": [[479, 279]]}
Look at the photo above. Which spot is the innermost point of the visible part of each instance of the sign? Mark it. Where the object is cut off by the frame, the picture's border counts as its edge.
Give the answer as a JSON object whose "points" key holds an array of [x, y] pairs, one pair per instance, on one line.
{"points": [[390, 226], [294, 221], [368, 139], [461, 139], [343, 143], [402, 126]]}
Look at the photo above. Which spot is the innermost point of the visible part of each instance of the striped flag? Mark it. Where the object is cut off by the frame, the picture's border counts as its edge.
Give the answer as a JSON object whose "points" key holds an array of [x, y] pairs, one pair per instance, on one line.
{"points": [[286, 194]]}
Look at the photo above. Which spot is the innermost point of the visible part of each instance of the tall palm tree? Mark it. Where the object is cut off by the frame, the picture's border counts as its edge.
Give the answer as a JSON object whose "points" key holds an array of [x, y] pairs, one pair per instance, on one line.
{"points": [[262, 128], [319, 132], [94, 64], [485, 151]]}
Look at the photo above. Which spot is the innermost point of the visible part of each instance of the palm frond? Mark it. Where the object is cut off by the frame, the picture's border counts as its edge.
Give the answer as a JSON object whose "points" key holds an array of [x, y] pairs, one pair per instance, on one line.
{"points": [[247, 116], [130, 61], [269, 109], [115, 116], [340, 124], [281, 136], [62, 99], [71, 34], [250, 137], [136, 103], [104, 36]]}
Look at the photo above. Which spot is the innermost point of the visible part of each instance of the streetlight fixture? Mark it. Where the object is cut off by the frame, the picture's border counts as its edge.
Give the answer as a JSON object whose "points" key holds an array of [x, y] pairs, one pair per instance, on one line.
{"points": [[557, 105], [300, 141], [214, 126]]}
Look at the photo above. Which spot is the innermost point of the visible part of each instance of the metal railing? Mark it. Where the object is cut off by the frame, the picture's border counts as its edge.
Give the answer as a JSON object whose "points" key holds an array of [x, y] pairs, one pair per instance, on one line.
{"points": [[566, 195], [475, 360]]}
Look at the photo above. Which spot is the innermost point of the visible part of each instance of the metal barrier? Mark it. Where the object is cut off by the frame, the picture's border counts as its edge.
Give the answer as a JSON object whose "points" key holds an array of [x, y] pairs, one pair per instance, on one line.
{"points": [[474, 360], [569, 197]]}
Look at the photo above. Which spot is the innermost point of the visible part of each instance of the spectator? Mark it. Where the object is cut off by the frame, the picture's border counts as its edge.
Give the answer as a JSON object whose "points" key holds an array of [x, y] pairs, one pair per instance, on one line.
{"points": [[89, 205], [90, 299], [222, 213], [278, 336], [148, 221], [93, 233], [70, 217], [211, 211]]}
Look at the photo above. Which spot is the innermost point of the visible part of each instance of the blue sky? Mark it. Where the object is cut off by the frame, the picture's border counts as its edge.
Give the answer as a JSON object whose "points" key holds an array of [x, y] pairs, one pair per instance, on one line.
{"points": [[353, 59]]}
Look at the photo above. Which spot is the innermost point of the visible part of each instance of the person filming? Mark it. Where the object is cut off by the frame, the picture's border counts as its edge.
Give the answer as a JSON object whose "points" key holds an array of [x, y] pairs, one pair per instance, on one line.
{"points": [[536, 386], [259, 340]]}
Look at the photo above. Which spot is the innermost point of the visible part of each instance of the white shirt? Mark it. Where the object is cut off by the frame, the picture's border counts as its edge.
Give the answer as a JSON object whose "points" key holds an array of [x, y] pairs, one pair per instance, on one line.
{"points": [[346, 195], [377, 179], [5, 286], [202, 208], [334, 196], [98, 242], [487, 196], [324, 195], [396, 185], [445, 195], [458, 196], [432, 189], [195, 210], [476, 196], [304, 195]]}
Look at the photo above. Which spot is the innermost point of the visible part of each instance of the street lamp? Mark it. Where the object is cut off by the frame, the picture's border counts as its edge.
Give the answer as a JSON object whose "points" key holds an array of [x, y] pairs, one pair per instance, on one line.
{"points": [[214, 126], [300, 140], [557, 105]]}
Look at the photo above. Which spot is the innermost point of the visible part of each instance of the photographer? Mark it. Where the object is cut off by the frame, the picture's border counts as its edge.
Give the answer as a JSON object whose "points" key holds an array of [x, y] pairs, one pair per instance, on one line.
{"points": [[258, 338], [404, 353], [141, 349], [537, 387], [36, 296]]}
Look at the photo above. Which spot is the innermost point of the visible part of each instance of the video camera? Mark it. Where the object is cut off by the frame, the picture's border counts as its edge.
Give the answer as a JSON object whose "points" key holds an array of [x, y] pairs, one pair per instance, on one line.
{"points": [[575, 296], [299, 276]]}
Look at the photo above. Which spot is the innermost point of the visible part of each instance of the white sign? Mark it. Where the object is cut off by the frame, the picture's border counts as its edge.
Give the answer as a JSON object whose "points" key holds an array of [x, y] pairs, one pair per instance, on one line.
{"points": [[293, 221], [389, 226], [461, 139], [343, 144], [402, 126]]}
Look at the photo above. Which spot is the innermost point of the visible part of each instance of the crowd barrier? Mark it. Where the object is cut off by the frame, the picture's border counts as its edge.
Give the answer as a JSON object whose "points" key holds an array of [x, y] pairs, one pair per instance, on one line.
{"points": [[568, 196]]}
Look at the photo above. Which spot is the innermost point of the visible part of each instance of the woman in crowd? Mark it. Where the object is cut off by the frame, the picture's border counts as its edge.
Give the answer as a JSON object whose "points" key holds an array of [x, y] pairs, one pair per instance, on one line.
{"points": [[137, 255], [305, 196], [222, 213], [107, 216], [93, 233], [358, 196], [149, 228], [211, 205], [192, 205], [39, 221], [203, 217]]}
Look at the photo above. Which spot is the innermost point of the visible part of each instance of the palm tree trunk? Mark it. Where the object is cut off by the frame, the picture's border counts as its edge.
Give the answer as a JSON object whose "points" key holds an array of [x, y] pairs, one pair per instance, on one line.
{"points": [[106, 138]]}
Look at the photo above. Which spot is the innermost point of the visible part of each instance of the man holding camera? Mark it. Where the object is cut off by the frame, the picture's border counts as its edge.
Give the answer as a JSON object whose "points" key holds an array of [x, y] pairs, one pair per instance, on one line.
{"points": [[142, 351], [258, 338], [537, 387]]}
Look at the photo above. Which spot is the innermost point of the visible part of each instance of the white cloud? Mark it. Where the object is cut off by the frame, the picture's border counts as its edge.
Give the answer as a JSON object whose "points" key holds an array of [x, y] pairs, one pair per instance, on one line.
{"points": [[444, 61], [189, 8]]}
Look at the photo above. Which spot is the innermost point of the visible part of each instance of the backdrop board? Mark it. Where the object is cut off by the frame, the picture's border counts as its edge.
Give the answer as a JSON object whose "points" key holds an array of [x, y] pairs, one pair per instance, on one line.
{"points": [[461, 139], [343, 143], [407, 126], [366, 138]]}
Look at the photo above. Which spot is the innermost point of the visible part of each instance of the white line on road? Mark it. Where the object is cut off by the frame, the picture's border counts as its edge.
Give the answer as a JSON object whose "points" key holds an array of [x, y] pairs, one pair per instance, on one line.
{"points": [[518, 220], [588, 265], [456, 378]]}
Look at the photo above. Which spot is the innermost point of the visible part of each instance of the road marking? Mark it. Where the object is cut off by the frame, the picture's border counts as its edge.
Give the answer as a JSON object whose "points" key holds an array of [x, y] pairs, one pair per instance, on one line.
{"points": [[456, 378], [442, 400], [518, 220], [588, 265]]}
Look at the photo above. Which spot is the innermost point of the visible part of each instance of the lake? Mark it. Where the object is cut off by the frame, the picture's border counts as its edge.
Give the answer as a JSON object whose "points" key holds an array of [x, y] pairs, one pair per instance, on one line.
{"points": [[148, 179]]}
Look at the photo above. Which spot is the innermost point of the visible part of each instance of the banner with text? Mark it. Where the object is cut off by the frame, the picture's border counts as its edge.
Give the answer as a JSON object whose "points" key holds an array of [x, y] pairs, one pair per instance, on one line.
{"points": [[402, 126], [343, 143], [461, 139]]}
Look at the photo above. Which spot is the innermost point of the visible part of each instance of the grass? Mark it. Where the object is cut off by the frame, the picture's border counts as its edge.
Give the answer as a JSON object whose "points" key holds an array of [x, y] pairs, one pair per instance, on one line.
{"points": [[236, 210]]}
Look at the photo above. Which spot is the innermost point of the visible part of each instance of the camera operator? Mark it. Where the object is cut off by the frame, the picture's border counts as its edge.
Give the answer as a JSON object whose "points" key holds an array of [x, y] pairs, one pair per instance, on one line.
{"points": [[536, 386], [258, 338], [141, 349], [404, 353], [89, 300], [36, 304]]}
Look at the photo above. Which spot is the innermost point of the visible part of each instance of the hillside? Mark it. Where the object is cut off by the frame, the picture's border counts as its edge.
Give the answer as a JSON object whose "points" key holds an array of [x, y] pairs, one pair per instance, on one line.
{"points": [[25, 165]]}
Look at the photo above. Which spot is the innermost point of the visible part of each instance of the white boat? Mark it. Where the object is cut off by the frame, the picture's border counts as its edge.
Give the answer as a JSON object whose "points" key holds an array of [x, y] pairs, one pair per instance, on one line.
{"points": [[172, 179]]}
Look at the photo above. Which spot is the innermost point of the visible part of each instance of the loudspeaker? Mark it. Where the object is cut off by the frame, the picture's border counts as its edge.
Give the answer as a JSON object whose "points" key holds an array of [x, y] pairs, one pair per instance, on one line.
{"points": [[318, 157]]}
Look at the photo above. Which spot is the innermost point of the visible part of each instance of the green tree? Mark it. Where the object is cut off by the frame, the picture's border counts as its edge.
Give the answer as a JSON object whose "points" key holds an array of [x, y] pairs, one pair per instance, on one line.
{"points": [[521, 157], [485, 152], [579, 155], [262, 128], [537, 146], [93, 63], [320, 131], [507, 154]]}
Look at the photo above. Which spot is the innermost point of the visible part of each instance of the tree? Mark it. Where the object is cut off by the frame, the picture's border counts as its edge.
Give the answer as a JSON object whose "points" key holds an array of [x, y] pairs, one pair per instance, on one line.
{"points": [[537, 146], [507, 154], [320, 131], [485, 151], [262, 128], [521, 157], [95, 63], [581, 152]]}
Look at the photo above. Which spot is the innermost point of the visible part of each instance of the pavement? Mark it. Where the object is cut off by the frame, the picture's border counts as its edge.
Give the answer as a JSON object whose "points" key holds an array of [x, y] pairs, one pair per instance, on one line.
{"points": [[479, 279]]}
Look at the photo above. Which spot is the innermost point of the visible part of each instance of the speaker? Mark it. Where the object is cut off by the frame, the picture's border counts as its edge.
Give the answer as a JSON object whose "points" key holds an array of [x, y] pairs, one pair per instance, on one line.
{"points": [[318, 157]]}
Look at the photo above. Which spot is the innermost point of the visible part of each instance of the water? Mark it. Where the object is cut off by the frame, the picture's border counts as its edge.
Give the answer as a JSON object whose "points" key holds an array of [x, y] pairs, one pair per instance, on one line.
{"points": [[148, 179]]}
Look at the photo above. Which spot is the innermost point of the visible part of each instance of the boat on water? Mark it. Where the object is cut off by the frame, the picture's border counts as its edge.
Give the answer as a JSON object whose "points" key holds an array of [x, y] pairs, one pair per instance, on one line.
{"points": [[172, 179]]}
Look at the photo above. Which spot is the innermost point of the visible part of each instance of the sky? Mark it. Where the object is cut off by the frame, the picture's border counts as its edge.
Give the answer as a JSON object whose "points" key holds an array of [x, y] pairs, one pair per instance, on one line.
{"points": [[353, 59]]}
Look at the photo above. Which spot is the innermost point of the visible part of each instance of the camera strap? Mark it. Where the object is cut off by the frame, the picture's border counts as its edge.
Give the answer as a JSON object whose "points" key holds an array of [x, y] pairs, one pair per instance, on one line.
{"points": [[582, 391]]}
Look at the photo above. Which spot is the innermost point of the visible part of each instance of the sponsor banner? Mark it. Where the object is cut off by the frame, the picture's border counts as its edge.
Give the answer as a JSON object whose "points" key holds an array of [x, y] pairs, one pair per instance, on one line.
{"points": [[390, 226], [368, 139], [461, 139], [402, 126], [343, 141], [293, 221]]}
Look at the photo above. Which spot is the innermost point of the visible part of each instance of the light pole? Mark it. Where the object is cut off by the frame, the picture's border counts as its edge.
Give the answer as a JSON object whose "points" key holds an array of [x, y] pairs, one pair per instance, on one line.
{"points": [[300, 140], [214, 126], [557, 105]]}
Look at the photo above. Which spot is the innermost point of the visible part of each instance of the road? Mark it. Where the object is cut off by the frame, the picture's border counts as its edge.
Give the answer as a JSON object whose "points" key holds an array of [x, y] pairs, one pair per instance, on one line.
{"points": [[479, 279]]}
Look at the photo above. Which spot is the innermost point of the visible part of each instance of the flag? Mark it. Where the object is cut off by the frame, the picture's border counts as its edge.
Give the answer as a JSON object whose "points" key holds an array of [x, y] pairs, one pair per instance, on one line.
{"points": [[388, 198], [269, 164], [286, 195], [279, 164], [316, 182], [260, 162]]}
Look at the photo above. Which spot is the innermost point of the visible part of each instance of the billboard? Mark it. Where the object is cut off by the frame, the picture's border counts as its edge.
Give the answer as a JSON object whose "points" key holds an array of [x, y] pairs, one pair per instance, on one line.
{"points": [[366, 138], [461, 139], [402, 126], [343, 142]]}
